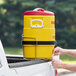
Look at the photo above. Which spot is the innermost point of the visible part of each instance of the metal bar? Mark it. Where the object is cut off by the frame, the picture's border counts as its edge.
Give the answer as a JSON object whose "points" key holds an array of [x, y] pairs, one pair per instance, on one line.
{"points": [[35, 45], [27, 63]]}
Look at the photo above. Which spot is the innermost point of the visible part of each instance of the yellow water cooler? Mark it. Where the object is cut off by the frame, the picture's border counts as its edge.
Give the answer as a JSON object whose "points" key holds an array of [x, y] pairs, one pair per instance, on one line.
{"points": [[38, 34]]}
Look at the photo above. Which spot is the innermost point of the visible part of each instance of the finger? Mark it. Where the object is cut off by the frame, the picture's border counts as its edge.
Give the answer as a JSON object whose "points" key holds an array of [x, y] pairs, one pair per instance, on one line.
{"points": [[56, 50], [53, 60], [56, 53]]}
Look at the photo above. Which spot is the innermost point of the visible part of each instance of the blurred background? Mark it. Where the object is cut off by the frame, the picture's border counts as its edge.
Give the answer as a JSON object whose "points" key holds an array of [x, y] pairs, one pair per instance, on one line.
{"points": [[11, 23]]}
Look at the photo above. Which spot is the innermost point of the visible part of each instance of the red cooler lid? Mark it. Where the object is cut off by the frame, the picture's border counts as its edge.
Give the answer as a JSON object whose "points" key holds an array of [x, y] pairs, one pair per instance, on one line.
{"points": [[38, 11]]}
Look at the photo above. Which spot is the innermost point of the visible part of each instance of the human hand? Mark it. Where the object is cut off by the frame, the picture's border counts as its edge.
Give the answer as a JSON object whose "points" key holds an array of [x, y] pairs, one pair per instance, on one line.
{"points": [[58, 51], [57, 63]]}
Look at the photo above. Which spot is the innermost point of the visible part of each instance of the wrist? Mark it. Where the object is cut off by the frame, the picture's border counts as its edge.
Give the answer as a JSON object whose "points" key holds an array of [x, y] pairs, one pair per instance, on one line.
{"points": [[65, 65], [65, 51]]}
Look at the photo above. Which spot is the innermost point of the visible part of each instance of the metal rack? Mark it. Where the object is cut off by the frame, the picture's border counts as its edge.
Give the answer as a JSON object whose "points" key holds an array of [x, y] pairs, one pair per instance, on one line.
{"points": [[35, 44]]}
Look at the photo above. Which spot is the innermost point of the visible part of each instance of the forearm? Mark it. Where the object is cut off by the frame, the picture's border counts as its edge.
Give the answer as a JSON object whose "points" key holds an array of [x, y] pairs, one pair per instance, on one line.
{"points": [[70, 52], [71, 67]]}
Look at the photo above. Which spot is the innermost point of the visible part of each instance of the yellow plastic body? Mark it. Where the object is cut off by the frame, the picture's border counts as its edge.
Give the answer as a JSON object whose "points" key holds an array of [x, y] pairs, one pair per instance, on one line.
{"points": [[45, 33]]}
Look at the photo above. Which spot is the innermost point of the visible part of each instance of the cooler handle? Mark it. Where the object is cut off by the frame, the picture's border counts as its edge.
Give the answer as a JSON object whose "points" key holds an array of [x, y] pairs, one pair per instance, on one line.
{"points": [[36, 26], [39, 9]]}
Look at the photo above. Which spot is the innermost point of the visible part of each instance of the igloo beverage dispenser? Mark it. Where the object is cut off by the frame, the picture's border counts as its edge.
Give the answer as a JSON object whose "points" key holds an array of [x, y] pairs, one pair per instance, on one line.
{"points": [[38, 34]]}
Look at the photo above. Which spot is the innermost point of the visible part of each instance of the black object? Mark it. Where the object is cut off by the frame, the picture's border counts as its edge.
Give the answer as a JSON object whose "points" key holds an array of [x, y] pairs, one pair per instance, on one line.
{"points": [[38, 42]]}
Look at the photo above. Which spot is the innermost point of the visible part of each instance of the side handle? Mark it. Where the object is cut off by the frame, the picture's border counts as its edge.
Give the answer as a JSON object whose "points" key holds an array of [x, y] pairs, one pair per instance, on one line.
{"points": [[36, 26]]}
